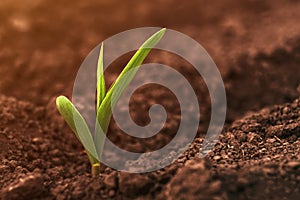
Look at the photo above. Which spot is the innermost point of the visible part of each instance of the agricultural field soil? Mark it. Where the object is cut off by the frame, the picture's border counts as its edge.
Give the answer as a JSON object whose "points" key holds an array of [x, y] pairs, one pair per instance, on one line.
{"points": [[256, 46]]}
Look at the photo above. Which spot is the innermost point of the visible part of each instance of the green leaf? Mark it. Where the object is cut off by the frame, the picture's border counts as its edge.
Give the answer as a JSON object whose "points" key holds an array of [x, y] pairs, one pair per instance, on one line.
{"points": [[104, 111], [100, 79], [81, 130], [131, 68]]}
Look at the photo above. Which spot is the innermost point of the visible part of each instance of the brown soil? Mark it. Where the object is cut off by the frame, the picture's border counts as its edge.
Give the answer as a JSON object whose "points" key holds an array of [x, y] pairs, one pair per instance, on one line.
{"points": [[256, 46]]}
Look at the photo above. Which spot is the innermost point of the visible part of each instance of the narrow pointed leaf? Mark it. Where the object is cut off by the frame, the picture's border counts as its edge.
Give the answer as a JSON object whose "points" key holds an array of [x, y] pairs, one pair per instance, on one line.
{"points": [[100, 79], [81, 130], [104, 112]]}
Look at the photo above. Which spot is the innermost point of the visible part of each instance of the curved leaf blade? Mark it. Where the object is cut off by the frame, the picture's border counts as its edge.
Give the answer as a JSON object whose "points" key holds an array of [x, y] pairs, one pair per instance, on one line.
{"points": [[81, 130]]}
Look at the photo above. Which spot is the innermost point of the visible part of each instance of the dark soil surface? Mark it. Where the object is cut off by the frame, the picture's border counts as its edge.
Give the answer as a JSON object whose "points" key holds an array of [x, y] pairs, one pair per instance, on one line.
{"points": [[255, 44]]}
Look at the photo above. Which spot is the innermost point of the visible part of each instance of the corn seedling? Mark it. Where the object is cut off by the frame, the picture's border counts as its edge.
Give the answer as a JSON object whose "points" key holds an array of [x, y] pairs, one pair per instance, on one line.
{"points": [[105, 101]]}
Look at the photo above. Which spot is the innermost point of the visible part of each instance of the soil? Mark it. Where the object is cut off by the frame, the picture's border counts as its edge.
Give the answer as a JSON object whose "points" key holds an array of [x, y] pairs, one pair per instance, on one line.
{"points": [[256, 46]]}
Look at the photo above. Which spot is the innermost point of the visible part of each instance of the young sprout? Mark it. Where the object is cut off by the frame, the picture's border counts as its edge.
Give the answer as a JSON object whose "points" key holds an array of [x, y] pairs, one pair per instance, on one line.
{"points": [[106, 100]]}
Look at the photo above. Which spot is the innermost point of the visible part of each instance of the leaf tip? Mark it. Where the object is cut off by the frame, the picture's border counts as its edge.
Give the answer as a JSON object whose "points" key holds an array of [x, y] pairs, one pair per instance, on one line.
{"points": [[59, 100], [162, 31]]}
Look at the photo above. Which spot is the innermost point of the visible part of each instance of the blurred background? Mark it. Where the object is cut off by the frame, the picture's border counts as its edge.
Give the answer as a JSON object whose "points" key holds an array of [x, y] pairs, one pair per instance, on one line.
{"points": [[254, 43]]}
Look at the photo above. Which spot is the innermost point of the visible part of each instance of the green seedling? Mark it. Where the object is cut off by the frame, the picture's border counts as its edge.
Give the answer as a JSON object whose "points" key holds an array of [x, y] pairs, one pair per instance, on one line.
{"points": [[105, 102]]}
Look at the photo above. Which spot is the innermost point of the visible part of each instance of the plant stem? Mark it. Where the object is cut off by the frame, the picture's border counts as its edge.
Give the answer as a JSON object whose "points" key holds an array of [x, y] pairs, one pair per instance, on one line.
{"points": [[95, 169]]}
